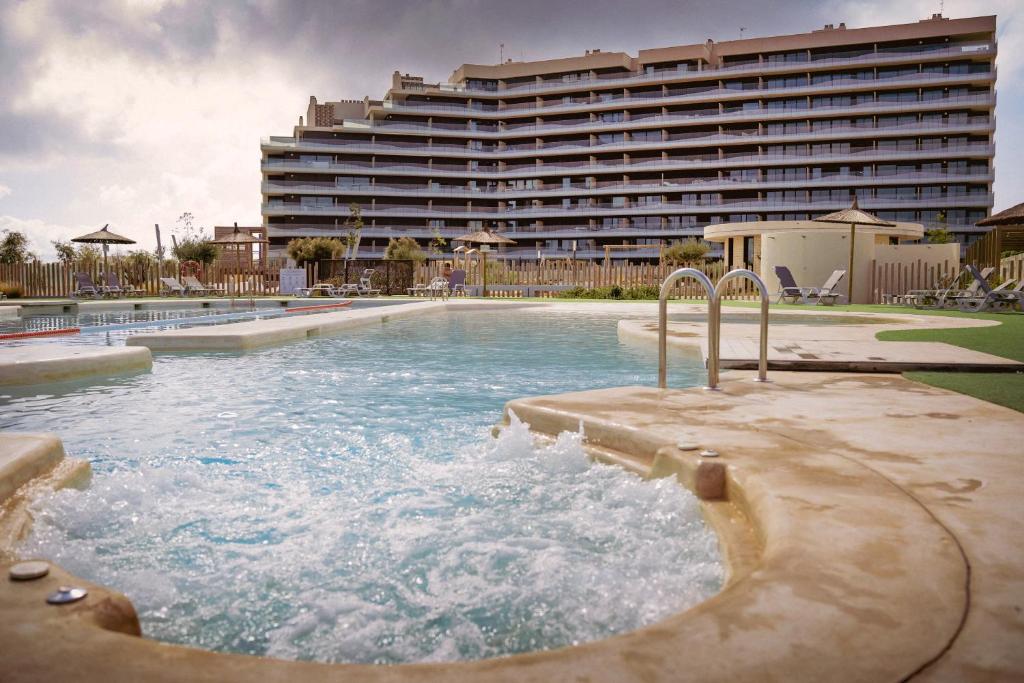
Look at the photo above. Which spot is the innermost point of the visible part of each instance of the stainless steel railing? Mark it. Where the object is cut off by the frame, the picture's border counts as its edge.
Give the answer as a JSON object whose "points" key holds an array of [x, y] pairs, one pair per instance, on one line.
{"points": [[713, 325], [714, 321]]}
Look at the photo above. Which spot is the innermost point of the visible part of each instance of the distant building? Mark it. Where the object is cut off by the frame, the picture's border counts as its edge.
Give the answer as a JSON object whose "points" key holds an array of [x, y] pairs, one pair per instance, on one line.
{"points": [[577, 153]]}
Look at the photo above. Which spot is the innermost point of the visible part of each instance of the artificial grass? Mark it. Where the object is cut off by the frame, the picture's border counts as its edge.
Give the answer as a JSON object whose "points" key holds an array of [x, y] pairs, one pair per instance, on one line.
{"points": [[1003, 388]]}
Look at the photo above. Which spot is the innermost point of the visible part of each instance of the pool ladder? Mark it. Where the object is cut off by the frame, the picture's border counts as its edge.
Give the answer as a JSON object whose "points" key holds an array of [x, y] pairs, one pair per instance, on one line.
{"points": [[714, 321]]}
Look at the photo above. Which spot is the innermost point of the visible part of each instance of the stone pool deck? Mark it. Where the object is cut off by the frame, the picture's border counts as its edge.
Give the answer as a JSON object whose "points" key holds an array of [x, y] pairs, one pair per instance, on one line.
{"points": [[244, 336], [45, 363], [836, 348], [868, 522]]}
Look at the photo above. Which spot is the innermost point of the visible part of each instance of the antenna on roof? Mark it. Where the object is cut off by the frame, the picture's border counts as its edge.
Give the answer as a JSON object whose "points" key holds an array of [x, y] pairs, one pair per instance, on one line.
{"points": [[501, 53], [742, 29]]}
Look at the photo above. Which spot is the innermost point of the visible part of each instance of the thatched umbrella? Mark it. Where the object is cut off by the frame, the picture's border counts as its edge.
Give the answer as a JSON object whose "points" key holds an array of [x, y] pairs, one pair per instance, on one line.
{"points": [[853, 216], [1012, 216], [238, 240], [482, 237], [104, 237]]}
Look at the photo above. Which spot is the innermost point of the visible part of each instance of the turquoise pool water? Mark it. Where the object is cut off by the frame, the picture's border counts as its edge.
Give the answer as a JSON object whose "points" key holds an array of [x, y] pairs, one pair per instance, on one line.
{"points": [[341, 499]]}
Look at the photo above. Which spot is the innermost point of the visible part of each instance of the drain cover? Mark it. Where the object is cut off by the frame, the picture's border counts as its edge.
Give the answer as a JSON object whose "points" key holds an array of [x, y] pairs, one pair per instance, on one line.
{"points": [[66, 594], [26, 571]]}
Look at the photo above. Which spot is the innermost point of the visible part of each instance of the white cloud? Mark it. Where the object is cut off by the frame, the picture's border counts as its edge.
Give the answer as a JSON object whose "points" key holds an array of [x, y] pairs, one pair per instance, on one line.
{"points": [[39, 234]]}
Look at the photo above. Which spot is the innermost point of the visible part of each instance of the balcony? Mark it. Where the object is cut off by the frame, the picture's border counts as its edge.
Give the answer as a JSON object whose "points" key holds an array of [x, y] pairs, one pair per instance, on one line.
{"points": [[851, 59], [687, 96], [719, 206], [299, 187]]}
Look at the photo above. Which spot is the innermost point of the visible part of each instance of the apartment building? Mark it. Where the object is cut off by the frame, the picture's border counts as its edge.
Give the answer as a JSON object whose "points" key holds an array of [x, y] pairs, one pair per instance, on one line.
{"points": [[566, 156]]}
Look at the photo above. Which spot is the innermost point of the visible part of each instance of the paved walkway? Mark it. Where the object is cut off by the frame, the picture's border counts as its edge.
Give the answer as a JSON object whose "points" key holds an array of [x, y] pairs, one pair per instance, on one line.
{"points": [[835, 347]]}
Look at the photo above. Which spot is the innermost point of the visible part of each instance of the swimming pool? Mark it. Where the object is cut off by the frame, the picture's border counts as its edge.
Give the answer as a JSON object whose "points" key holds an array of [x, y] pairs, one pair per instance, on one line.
{"points": [[340, 499]]}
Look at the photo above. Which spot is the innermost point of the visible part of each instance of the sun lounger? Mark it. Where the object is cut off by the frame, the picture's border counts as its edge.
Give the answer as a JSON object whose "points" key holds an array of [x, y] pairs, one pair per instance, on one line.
{"points": [[114, 284], [457, 282], [792, 293], [438, 288], [325, 288], [826, 294], [194, 286], [84, 286], [999, 298], [952, 297], [171, 286]]}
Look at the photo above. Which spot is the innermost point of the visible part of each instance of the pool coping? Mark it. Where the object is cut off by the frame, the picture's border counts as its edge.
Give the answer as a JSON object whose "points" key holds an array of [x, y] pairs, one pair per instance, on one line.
{"points": [[33, 364], [795, 608]]}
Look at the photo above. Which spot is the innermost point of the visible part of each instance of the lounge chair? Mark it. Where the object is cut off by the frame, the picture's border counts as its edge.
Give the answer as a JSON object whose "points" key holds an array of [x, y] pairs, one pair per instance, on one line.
{"points": [[457, 282], [918, 298], [789, 290], [987, 298], [114, 286], [952, 297], [826, 292], [438, 287], [365, 286], [194, 286], [325, 287], [418, 289], [171, 286], [84, 286]]}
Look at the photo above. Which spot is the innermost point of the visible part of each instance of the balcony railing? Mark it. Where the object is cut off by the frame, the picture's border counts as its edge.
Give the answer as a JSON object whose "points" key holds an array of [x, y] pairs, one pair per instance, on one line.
{"points": [[711, 95], [741, 205], [610, 80]]}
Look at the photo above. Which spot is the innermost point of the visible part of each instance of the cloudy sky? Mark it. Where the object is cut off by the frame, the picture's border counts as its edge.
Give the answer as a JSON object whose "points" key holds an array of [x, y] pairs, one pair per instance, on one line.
{"points": [[131, 112]]}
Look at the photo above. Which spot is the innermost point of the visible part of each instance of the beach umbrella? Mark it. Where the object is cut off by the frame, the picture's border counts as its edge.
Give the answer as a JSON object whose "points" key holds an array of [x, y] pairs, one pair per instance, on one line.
{"points": [[484, 237], [1012, 216], [238, 240], [104, 237], [854, 217]]}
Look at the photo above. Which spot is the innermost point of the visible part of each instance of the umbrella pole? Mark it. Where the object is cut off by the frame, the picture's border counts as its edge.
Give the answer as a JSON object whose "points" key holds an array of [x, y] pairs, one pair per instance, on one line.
{"points": [[849, 274], [483, 273]]}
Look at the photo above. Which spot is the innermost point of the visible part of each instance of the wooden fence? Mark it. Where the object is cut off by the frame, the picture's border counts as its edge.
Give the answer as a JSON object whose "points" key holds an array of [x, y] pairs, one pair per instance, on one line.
{"points": [[58, 280], [1011, 268], [548, 277], [895, 279]]}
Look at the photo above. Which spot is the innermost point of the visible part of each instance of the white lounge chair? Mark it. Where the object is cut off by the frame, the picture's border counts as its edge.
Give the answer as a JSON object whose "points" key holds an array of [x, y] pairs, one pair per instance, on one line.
{"points": [[194, 286], [171, 286]]}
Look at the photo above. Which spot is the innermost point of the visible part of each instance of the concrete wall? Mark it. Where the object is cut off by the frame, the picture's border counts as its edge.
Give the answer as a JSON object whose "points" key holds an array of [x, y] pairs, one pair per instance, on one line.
{"points": [[812, 257]]}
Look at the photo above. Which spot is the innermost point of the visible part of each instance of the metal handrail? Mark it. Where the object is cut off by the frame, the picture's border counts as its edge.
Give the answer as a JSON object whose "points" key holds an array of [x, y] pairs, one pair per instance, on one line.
{"points": [[713, 325], [714, 321], [716, 314]]}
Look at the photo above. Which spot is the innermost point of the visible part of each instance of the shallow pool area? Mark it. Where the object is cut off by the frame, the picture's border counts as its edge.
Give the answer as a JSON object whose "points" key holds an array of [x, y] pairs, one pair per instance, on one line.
{"points": [[340, 499]]}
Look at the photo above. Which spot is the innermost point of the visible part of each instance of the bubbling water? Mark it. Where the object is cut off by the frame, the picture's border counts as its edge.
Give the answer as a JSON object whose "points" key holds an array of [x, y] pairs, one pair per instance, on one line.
{"points": [[511, 546]]}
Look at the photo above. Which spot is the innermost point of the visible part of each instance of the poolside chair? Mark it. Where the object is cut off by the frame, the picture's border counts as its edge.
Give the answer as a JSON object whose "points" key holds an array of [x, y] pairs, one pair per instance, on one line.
{"points": [[457, 282], [194, 286], [418, 289], [826, 293], [920, 298], [114, 286], [789, 289], [84, 286], [438, 287], [365, 287], [999, 298], [171, 286], [952, 297]]}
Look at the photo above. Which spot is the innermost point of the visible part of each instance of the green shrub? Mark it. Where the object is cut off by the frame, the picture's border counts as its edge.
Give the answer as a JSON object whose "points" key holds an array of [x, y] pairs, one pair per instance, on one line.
{"points": [[312, 249], [13, 290], [637, 293], [687, 251], [404, 249], [195, 249]]}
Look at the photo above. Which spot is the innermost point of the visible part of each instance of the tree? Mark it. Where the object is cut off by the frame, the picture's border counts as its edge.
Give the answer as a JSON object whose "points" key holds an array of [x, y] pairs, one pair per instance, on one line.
{"points": [[312, 249], [66, 253], [83, 255], [193, 245], [136, 266], [355, 225], [687, 251], [939, 234], [404, 249], [14, 248], [437, 243]]}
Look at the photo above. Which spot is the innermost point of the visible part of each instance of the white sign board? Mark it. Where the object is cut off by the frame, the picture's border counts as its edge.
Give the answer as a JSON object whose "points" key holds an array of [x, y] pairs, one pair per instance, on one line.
{"points": [[292, 279]]}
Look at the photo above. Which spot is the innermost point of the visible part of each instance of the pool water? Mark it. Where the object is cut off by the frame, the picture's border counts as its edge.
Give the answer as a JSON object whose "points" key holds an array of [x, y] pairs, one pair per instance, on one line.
{"points": [[340, 499]]}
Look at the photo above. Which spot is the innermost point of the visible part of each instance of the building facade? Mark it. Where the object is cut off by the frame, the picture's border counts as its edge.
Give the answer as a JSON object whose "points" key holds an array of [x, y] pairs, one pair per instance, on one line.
{"points": [[566, 156]]}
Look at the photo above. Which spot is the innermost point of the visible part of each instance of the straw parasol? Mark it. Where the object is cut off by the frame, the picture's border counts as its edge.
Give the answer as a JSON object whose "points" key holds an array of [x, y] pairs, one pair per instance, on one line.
{"points": [[238, 240], [1012, 216], [484, 237], [853, 216], [104, 237]]}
